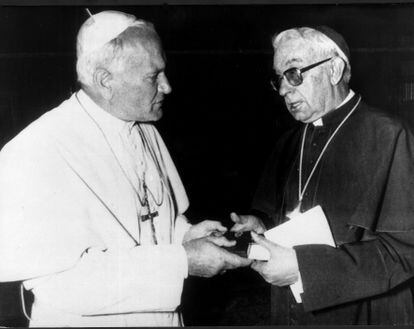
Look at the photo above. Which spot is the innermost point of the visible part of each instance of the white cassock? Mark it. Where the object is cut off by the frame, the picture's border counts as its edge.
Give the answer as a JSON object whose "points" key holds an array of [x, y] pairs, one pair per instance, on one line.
{"points": [[69, 220]]}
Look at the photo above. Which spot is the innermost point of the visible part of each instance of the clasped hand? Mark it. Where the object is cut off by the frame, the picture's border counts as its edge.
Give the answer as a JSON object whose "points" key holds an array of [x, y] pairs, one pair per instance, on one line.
{"points": [[205, 256], [282, 268], [204, 229]]}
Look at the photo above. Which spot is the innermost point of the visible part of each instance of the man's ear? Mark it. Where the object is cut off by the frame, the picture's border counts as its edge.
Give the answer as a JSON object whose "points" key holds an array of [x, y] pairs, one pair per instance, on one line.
{"points": [[102, 79], [337, 70]]}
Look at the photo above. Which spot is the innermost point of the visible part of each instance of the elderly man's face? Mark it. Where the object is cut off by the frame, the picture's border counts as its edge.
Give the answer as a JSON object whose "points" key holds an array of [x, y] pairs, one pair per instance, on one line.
{"points": [[308, 101], [140, 86]]}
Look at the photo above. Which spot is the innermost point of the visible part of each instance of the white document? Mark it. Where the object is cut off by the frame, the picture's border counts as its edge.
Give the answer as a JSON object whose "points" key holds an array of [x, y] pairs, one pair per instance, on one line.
{"points": [[310, 227]]}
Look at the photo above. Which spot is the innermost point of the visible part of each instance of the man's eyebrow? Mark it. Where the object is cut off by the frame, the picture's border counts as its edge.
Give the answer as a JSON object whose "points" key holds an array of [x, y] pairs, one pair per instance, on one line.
{"points": [[294, 60], [154, 72]]}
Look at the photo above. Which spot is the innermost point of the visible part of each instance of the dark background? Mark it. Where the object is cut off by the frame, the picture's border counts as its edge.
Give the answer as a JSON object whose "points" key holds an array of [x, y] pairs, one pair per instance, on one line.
{"points": [[222, 117]]}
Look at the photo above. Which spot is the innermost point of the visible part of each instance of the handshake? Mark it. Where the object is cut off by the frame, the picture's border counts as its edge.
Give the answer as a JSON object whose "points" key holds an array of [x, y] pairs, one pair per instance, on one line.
{"points": [[212, 249]]}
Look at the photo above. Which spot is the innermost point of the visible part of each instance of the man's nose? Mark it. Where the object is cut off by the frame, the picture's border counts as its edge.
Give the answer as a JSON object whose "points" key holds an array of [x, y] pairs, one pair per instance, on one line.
{"points": [[284, 87], [164, 85]]}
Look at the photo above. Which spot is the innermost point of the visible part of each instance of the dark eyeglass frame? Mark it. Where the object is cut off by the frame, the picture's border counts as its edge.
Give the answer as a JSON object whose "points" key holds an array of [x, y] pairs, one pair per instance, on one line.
{"points": [[294, 75]]}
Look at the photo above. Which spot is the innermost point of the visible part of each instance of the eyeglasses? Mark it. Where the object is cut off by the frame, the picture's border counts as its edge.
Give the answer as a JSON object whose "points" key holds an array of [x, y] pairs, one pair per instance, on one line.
{"points": [[294, 75]]}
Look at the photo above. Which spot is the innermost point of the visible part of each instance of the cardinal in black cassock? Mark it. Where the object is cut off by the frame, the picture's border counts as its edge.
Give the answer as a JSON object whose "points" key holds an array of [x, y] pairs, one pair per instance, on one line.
{"points": [[357, 163], [364, 183]]}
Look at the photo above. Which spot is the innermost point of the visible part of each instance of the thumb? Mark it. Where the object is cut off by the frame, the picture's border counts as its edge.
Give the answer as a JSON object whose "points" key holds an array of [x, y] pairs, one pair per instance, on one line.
{"points": [[221, 241], [235, 218], [234, 261], [261, 240], [213, 225]]}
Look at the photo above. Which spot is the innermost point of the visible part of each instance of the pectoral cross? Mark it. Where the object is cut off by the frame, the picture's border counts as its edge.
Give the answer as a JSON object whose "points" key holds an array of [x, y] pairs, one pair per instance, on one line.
{"points": [[150, 215]]}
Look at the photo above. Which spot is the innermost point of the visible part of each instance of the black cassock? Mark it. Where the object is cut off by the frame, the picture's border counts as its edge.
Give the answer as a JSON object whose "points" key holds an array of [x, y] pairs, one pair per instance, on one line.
{"points": [[365, 185]]}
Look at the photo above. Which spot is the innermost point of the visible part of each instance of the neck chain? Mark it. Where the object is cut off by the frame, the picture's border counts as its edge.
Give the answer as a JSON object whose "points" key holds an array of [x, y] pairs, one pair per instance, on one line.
{"points": [[147, 191], [301, 192]]}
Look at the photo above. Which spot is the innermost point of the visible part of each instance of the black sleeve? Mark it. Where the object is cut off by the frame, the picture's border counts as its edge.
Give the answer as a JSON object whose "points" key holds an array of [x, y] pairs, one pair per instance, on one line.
{"points": [[334, 276]]}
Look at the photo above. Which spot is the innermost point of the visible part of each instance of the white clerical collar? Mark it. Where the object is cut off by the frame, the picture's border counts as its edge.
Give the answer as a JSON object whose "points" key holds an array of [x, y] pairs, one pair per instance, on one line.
{"points": [[105, 120], [319, 122]]}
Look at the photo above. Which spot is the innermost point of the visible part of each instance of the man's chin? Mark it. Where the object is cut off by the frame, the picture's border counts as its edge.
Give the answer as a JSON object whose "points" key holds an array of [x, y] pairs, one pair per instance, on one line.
{"points": [[156, 115], [298, 116], [150, 117]]}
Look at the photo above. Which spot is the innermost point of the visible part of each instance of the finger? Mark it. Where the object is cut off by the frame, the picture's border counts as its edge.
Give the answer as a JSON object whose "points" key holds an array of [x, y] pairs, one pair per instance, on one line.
{"points": [[260, 230], [261, 240], [235, 218], [245, 261], [238, 228], [234, 261], [213, 225], [221, 241], [258, 266], [238, 234], [216, 233]]}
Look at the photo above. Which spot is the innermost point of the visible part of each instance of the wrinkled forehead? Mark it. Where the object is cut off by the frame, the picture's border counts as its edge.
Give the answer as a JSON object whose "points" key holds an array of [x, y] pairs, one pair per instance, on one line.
{"points": [[149, 55], [149, 41], [296, 52]]}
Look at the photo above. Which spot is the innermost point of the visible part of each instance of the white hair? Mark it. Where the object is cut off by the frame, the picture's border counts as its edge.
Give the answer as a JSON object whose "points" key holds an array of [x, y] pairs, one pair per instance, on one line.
{"points": [[320, 43], [112, 54]]}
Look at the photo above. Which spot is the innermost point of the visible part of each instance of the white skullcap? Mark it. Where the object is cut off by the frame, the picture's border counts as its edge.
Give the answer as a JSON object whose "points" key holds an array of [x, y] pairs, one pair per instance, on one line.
{"points": [[101, 28]]}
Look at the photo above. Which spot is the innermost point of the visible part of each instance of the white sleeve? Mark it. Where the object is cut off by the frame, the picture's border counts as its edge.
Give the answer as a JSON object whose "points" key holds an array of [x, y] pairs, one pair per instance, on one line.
{"points": [[144, 278], [181, 228]]}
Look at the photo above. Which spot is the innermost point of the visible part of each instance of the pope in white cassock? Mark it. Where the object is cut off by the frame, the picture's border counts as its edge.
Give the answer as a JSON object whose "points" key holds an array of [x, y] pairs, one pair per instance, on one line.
{"points": [[91, 204]]}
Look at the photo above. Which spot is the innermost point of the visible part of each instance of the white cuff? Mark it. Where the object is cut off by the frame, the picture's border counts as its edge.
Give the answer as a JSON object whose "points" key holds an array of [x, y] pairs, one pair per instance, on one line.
{"points": [[297, 289], [181, 228]]}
